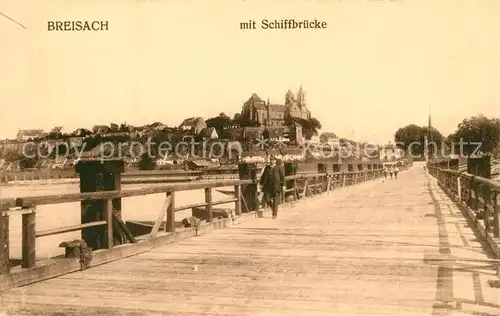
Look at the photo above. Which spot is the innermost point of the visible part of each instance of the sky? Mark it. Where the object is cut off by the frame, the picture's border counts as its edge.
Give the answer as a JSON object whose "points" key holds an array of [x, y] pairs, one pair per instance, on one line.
{"points": [[379, 65]]}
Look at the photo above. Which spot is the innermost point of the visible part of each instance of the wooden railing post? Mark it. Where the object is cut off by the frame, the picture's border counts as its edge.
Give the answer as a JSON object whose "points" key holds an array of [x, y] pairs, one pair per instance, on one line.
{"points": [[343, 179], [28, 259], [459, 188], [170, 220], [486, 194], [108, 217], [237, 203], [328, 183], [294, 188], [314, 186], [496, 215], [475, 202], [208, 208], [4, 242], [470, 192]]}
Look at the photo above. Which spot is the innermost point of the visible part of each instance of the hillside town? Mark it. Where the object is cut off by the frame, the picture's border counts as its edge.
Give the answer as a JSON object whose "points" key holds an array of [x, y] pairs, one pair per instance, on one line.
{"points": [[260, 127]]}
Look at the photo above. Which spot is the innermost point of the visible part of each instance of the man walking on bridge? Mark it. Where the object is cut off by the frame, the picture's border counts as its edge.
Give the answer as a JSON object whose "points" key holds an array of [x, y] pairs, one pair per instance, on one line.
{"points": [[272, 182]]}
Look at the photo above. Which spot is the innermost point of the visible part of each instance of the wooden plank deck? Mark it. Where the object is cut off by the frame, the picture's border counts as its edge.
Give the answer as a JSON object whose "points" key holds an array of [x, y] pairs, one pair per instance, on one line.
{"points": [[378, 248]]}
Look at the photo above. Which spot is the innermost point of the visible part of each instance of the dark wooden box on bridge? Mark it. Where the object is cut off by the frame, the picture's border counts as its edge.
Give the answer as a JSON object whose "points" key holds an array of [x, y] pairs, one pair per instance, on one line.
{"points": [[99, 175], [479, 166], [248, 171]]}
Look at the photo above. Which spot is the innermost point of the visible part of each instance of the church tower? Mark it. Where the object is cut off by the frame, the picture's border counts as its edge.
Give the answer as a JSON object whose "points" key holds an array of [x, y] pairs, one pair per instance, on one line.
{"points": [[301, 97], [268, 120], [289, 98]]}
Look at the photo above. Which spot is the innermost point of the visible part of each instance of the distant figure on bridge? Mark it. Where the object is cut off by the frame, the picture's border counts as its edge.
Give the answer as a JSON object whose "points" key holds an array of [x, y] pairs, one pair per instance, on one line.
{"points": [[396, 170], [391, 171], [272, 182], [387, 171]]}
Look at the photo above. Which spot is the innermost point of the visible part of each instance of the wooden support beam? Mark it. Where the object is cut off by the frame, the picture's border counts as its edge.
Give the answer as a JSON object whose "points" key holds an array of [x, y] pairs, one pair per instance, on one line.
{"points": [[496, 216], [237, 203], [108, 218], [4, 243], [208, 200], [160, 217], [124, 228], [170, 211], [304, 193], [28, 240], [295, 190], [486, 210]]}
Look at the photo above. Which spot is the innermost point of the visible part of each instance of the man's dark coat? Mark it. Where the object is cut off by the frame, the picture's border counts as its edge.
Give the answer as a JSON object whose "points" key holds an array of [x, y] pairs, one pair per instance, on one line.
{"points": [[272, 180]]}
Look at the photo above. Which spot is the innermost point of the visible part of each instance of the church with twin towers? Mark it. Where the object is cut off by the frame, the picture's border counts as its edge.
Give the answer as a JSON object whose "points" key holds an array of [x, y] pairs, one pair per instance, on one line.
{"points": [[273, 115]]}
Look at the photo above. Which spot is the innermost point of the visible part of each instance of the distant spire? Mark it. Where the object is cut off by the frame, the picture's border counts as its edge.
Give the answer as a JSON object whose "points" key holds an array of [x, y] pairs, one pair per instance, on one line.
{"points": [[429, 135], [301, 97]]}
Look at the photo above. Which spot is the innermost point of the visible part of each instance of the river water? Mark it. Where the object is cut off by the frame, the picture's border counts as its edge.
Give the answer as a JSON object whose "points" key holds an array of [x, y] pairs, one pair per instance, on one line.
{"points": [[139, 208]]}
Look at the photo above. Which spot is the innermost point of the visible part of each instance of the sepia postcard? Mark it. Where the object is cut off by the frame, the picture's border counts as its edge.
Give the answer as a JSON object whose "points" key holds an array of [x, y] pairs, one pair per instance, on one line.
{"points": [[250, 157]]}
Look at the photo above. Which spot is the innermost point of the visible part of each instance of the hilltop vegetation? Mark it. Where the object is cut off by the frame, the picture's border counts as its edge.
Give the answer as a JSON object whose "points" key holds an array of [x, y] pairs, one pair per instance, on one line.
{"points": [[469, 134]]}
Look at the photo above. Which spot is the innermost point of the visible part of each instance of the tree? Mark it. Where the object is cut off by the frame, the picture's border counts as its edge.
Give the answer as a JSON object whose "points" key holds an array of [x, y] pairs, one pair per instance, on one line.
{"points": [[220, 122], [314, 124], [324, 137], [146, 162], [114, 128], [310, 127], [412, 138], [53, 135], [124, 128], [476, 133], [27, 163]]}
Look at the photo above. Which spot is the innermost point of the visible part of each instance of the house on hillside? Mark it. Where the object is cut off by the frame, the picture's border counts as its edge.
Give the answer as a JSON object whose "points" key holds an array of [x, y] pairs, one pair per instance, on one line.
{"points": [[201, 164], [81, 132], [29, 134], [10, 146], [208, 133], [391, 152], [280, 135], [193, 125], [161, 127], [314, 140], [330, 139], [101, 129]]}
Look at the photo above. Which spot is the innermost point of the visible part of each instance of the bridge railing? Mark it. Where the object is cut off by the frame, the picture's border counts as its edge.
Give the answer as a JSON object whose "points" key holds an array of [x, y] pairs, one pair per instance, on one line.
{"points": [[479, 196], [113, 233], [129, 177]]}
